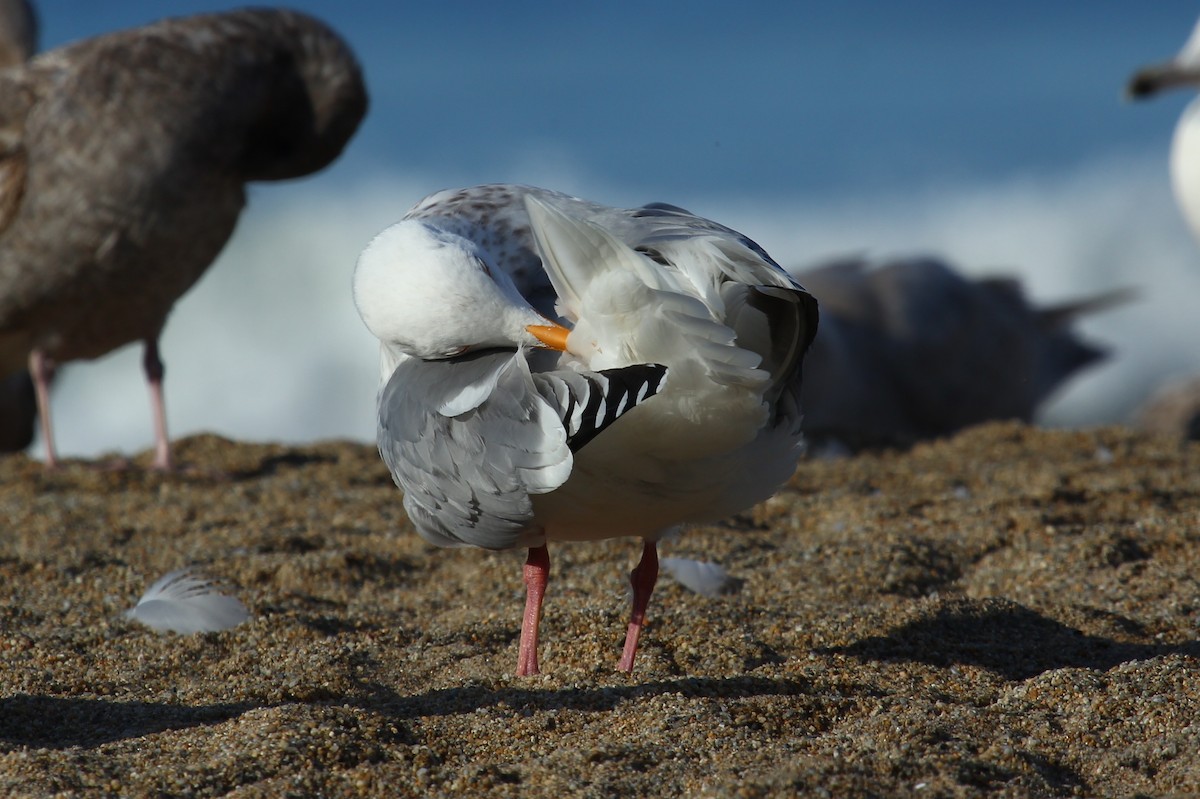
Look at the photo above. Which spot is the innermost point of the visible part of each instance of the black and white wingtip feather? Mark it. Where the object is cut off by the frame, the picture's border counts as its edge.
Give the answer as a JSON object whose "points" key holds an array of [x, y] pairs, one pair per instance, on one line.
{"points": [[185, 602], [589, 402]]}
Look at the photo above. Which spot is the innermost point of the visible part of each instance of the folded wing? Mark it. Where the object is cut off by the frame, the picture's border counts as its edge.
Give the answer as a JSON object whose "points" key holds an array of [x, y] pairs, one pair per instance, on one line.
{"points": [[468, 470]]}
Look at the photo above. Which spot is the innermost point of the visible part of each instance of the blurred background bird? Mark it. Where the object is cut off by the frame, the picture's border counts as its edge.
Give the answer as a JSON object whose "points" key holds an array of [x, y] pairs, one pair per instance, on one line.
{"points": [[910, 349], [123, 169]]}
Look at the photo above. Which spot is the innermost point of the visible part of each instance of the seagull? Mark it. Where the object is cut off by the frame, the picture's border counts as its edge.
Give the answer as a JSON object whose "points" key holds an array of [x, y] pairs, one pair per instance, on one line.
{"points": [[911, 349], [558, 370], [1181, 71], [123, 164]]}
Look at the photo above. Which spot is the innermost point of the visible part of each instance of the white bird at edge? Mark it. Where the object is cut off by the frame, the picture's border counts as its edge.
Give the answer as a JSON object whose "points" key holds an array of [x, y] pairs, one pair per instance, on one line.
{"points": [[558, 370], [1181, 71]]}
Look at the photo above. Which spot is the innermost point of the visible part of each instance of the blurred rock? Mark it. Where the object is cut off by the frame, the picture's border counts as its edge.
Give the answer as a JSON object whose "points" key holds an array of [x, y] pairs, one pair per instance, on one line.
{"points": [[1173, 409]]}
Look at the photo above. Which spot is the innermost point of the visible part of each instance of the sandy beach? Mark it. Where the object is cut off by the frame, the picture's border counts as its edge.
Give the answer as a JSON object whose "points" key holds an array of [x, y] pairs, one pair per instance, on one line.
{"points": [[1013, 612]]}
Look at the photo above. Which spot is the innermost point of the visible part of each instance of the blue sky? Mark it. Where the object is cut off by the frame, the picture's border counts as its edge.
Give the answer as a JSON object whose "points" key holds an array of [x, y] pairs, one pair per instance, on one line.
{"points": [[993, 134]]}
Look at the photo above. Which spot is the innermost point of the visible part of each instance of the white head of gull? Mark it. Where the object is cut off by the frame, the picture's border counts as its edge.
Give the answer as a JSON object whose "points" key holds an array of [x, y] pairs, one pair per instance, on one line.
{"points": [[414, 277], [666, 392]]}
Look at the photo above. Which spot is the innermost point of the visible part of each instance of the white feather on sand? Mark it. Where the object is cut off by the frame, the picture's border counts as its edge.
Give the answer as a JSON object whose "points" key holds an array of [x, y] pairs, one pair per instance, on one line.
{"points": [[185, 602], [701, 576]]}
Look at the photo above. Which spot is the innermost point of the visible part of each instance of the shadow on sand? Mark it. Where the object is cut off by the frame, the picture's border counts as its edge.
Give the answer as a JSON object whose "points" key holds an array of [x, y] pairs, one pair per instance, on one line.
{"points": [[1003, 637], [56, 722]]}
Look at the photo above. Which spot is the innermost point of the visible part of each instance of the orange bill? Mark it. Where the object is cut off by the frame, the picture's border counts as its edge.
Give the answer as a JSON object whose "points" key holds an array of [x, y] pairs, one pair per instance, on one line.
{"points": [[552, 335]]}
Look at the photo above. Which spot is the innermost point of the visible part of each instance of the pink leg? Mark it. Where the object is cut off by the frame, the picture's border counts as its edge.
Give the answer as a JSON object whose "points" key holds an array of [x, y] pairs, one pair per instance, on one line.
{"points": [[537, 574], [153, 367], [642, 578], [41, 369]]}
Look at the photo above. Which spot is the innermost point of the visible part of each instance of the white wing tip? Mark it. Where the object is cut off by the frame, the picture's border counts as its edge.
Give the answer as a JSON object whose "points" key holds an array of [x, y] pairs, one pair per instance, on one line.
{"points": [[186, 602]]}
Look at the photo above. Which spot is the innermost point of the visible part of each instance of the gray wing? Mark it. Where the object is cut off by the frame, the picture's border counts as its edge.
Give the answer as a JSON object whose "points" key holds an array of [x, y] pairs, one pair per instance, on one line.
{"points": [[467, 478], [470, 439]]}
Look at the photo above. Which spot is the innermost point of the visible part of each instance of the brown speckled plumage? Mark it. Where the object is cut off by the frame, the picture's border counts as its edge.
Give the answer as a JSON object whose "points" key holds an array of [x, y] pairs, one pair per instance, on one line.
{"points": [[123, 161]]}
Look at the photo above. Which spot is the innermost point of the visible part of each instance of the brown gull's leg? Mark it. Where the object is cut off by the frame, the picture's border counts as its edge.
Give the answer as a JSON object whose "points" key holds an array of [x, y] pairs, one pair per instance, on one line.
{"points": [[537, 573], [41, 369], [153, 367], [642, 578]]}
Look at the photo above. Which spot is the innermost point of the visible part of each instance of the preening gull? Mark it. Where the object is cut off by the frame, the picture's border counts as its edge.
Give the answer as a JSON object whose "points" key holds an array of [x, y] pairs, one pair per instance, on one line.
{"points": [[1181, 71], [911, 349], [557, 370], [123, 164]]}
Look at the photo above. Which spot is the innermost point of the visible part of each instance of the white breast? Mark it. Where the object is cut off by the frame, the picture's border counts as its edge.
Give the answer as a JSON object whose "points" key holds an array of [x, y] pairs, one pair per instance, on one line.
{"points": [[1185, 165]]}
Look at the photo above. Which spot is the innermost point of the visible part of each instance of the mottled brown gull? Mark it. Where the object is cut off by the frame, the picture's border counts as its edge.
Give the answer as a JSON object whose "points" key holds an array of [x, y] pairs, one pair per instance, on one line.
{"points": [[672, 398], [123, 164]]}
